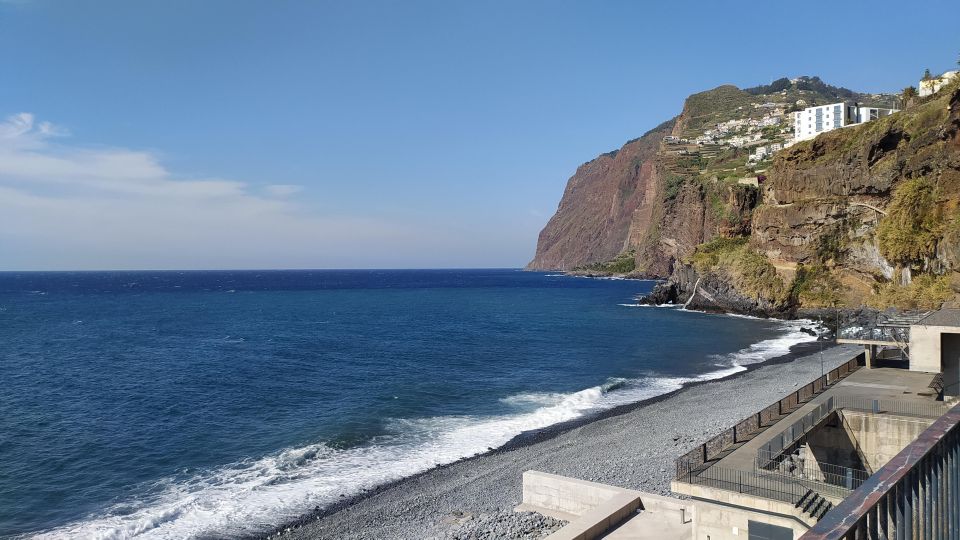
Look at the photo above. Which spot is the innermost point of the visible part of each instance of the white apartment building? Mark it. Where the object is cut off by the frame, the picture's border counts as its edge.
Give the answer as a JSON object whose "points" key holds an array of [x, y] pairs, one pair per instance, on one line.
{"points": [[813, 121]]}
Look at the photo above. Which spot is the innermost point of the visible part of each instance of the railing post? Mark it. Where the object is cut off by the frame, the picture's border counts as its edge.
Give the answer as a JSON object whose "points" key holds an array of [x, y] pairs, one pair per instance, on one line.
{"points": [[899, 501], [883, 517]]}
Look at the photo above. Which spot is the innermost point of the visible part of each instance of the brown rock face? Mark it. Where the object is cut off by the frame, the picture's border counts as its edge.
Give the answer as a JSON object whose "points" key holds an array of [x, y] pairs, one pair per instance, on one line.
{"points": [[619, 201], [606, 202], [700, 212], [839, 184]]}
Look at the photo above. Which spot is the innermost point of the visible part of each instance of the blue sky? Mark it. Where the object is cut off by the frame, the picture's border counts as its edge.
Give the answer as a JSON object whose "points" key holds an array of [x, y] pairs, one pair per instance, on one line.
{"points": [[237, 134]]}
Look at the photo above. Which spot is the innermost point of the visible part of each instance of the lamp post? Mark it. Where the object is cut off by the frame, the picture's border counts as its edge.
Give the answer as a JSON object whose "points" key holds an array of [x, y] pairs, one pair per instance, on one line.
{"points": [[821, 354]]}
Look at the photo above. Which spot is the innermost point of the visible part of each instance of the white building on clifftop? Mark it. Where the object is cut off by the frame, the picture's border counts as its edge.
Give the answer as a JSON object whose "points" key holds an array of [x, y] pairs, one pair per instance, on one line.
{"points": [[931, 86], [813, 121]]}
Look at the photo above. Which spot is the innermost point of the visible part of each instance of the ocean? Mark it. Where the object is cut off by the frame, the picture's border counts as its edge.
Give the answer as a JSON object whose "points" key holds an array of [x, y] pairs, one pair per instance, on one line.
{"points": [[225, 403]]}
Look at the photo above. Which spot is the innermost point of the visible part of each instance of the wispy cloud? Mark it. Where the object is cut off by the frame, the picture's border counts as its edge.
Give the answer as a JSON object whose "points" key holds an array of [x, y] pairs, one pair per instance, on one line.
{"points": [[283, 190], [67, 206]]}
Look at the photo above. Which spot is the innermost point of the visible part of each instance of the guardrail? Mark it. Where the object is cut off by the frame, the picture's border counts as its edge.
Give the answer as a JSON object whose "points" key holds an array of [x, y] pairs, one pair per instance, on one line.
{"points": [[892, 406], [916, 495], [796, 431], [770, 415], [799, 429], [767, 486], [835, 480]]}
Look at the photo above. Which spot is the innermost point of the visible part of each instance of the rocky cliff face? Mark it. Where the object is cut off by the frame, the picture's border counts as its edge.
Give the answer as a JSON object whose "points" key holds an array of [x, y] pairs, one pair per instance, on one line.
{"points": [[834, 221], [645, 199], [607, 201], [826, 198]]}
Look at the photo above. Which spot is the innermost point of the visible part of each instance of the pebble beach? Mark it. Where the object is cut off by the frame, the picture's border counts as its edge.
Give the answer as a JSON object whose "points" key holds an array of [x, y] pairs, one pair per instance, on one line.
{"points": [[633, 447]]}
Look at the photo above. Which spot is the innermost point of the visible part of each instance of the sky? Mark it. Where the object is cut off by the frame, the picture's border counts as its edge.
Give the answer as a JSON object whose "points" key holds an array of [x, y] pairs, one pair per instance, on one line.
{"points": [[183, 134]]}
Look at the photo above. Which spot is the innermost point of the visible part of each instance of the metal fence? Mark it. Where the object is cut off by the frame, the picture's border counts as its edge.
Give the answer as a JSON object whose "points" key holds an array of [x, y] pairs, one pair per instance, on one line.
{"points": [[835, 480], [796, 431], [767, 486], [890, 406], [770, 415]]}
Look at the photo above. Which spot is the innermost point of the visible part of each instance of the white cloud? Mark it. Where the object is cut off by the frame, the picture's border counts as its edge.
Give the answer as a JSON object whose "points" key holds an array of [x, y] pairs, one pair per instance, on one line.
{"points": [[66, 206], [283, 190]]}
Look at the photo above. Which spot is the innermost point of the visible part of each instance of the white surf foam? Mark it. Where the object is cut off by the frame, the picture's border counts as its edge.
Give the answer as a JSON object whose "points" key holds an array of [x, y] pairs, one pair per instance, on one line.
{"points": [[254, 495]]}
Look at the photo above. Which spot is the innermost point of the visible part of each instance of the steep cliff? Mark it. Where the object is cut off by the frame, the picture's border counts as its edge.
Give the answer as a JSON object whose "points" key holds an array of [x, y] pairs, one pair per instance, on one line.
{"points": [[606, 199]]}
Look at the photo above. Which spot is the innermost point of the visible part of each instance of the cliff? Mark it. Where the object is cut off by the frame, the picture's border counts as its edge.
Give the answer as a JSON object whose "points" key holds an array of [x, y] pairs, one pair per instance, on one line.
{"points": [[867, 215], [710, 200], [603, 201], [876, 205]]}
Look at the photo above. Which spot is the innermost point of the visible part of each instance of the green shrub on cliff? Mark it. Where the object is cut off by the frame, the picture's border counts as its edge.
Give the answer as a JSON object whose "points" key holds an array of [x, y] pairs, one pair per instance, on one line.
{"points": [[672, 186], [750, 272], [909, 233], [816, 286], [623, 263], [925, 291]]}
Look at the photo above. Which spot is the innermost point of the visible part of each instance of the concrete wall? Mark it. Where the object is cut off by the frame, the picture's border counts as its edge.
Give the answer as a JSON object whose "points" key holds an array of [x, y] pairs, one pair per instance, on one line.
{"points": [[552, 494], [727, 518], [880, 437], [925, 347], [592, 509], [832, 444], [716, 522]]}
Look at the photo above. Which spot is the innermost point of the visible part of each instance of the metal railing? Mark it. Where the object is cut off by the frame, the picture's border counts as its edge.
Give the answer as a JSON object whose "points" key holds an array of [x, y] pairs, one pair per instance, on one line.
{"points": [[835, 480], [799, 429], [759, 484], [916, 495], [768, 416], [890, 406], [796, 431]]}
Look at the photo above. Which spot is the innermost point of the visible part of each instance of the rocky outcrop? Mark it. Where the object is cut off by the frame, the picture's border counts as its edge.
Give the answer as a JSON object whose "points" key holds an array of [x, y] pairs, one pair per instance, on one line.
{"points": [[700, 211], [605, 203], [711, 293]]}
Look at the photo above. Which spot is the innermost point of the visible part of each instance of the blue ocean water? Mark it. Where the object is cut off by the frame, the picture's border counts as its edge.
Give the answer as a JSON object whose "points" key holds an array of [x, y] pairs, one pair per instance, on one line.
{"points": [[179, 404]]}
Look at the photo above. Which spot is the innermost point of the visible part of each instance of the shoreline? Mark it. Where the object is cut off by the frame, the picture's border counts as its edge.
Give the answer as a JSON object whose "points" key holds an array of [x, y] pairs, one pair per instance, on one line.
{"points": [[533, 438]]}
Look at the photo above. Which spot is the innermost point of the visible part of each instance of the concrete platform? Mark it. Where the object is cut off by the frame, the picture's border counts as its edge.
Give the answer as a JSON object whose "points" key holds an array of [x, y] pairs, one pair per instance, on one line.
{"points": [[655, 524]]}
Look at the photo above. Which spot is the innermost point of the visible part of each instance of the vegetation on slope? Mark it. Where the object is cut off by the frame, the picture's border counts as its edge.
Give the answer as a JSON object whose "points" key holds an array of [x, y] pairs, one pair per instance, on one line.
{"points": [[816, 286], [750, 272], [623, 263], [914, 224], [925, 291]]}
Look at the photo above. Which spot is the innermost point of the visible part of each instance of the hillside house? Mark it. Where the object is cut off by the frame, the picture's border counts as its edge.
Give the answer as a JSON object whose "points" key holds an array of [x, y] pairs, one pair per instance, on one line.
{"points": [[813, 121]]}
